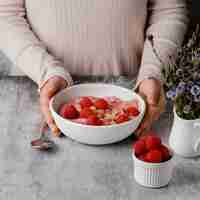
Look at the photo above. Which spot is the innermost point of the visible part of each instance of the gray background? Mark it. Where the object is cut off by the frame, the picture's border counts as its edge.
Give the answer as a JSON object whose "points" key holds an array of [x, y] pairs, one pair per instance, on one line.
{"points": [[75, 171]]}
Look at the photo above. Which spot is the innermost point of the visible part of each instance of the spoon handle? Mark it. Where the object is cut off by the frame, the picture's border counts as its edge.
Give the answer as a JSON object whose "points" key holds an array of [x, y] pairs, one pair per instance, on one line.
{"points": [[43, 143]]}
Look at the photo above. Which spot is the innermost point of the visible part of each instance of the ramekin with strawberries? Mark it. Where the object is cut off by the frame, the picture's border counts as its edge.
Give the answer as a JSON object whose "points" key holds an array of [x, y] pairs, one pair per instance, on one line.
{"points": [[153, 161]]}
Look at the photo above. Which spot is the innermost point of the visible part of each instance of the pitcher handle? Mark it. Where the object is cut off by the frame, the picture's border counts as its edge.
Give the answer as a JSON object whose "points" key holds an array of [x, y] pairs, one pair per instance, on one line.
{"points": [[197, 143]]}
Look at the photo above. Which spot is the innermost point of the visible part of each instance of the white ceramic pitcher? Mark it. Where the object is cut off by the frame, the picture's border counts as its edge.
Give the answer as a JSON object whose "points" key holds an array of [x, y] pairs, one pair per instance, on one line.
{"points": [[185, 136]]}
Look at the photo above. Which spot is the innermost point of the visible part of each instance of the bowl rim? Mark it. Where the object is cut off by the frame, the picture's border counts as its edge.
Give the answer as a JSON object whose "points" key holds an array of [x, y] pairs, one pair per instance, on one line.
{"points": [[154, 164], [103, 126]]}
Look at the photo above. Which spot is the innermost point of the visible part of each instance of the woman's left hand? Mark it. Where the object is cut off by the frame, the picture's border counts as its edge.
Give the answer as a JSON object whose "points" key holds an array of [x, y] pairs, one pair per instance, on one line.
{"points": [[151, 91]]}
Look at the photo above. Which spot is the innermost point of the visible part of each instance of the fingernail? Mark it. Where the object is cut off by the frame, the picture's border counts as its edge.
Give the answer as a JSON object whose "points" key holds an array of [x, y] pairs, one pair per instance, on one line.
{"points": [[55, 130], [137, 134]]}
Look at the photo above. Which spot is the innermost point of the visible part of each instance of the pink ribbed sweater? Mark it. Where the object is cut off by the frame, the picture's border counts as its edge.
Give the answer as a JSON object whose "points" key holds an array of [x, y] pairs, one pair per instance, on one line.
{"points": [[45, 38]]}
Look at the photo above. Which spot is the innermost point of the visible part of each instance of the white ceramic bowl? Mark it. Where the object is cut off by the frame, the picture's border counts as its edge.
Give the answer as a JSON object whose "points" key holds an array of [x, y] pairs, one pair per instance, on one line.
{"points": [[96, 135], [153, 175]]}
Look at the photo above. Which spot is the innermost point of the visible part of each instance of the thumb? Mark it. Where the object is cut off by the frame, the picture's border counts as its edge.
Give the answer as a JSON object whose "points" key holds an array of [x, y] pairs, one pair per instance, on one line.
{"points": [[153, 98], [150, 89], [44, 105], [45, 96]]}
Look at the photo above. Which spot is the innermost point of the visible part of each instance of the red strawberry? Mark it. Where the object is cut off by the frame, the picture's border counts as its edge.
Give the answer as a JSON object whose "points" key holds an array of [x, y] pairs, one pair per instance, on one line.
{"points": [[132, 111], [86, 112], [139, 147], [93, 120], [154, 156], [68, 111], [152, 142], [99, 122], [101, 104], [120, 118], [143, 157], [85, 102], [165, 152]]}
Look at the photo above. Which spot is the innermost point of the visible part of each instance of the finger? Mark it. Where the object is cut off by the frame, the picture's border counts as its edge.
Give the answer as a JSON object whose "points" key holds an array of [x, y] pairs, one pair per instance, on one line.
{"points": [[153, 97], [162, 102], [144, 132], [44, 104], [141, 126], [152, 115], [145, 123], [143, 129], [53, 86], [155, 112], [151, 90]]}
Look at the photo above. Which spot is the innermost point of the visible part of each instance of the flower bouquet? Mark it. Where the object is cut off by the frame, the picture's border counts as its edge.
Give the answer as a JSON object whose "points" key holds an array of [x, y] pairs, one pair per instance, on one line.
{"points": [[182, 77], [182, 85]]}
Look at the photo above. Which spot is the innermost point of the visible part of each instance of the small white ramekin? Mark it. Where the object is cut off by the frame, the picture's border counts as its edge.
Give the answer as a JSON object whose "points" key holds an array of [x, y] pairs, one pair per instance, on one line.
{"points": [[154, 175]]}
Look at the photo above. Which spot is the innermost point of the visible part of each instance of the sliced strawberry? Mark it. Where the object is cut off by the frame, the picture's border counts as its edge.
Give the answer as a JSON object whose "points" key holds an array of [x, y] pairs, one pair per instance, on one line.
{"points": [[99, 122], [68, 111], [100, 113], [165, 152], [86, 112], [154, 156], [93, 120], [152, 142], [107, 121], [86, 102], [101, 104], [120, 118], [132, 111], [139, 147]]}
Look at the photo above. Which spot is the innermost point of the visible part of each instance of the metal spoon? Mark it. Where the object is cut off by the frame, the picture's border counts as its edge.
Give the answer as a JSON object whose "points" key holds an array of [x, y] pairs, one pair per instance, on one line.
{"points": [[43, 143]]}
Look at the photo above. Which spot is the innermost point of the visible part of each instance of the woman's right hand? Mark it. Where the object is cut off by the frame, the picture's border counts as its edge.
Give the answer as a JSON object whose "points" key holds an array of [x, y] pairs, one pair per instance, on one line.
{"points": [[50, 88]]}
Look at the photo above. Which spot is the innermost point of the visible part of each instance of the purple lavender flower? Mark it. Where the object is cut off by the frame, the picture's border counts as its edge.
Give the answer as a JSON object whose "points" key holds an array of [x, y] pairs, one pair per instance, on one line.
{"points": [[171, 94], [189, 86], [195, 90], [181, 88], [187, 109]]}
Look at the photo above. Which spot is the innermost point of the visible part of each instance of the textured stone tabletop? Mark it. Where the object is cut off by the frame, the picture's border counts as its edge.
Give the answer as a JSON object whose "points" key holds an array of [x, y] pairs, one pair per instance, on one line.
{"points": [[74, 171]]}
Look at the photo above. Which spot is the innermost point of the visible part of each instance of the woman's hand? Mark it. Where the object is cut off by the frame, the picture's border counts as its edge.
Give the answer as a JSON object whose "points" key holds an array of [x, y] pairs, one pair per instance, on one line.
{"points": [[51, 87], [150, 90]]}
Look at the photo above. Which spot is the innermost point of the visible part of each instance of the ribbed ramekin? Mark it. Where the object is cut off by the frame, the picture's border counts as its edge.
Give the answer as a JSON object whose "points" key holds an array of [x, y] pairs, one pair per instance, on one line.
{"points": [[153, 175]]}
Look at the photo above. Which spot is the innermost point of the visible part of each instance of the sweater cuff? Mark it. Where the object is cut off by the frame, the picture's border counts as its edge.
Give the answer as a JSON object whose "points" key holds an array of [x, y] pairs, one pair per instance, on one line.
{"points": [[149, 71], [55, 71]]}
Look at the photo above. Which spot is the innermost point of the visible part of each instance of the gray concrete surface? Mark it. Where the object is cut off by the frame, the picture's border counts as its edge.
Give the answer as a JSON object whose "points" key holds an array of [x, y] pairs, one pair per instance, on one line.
{"points": [[74, 171]]}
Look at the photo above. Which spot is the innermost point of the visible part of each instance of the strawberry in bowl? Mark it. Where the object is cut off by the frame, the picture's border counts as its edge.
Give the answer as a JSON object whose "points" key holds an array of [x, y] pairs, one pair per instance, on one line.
{"points": [[153, 163], [101, 113]]}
